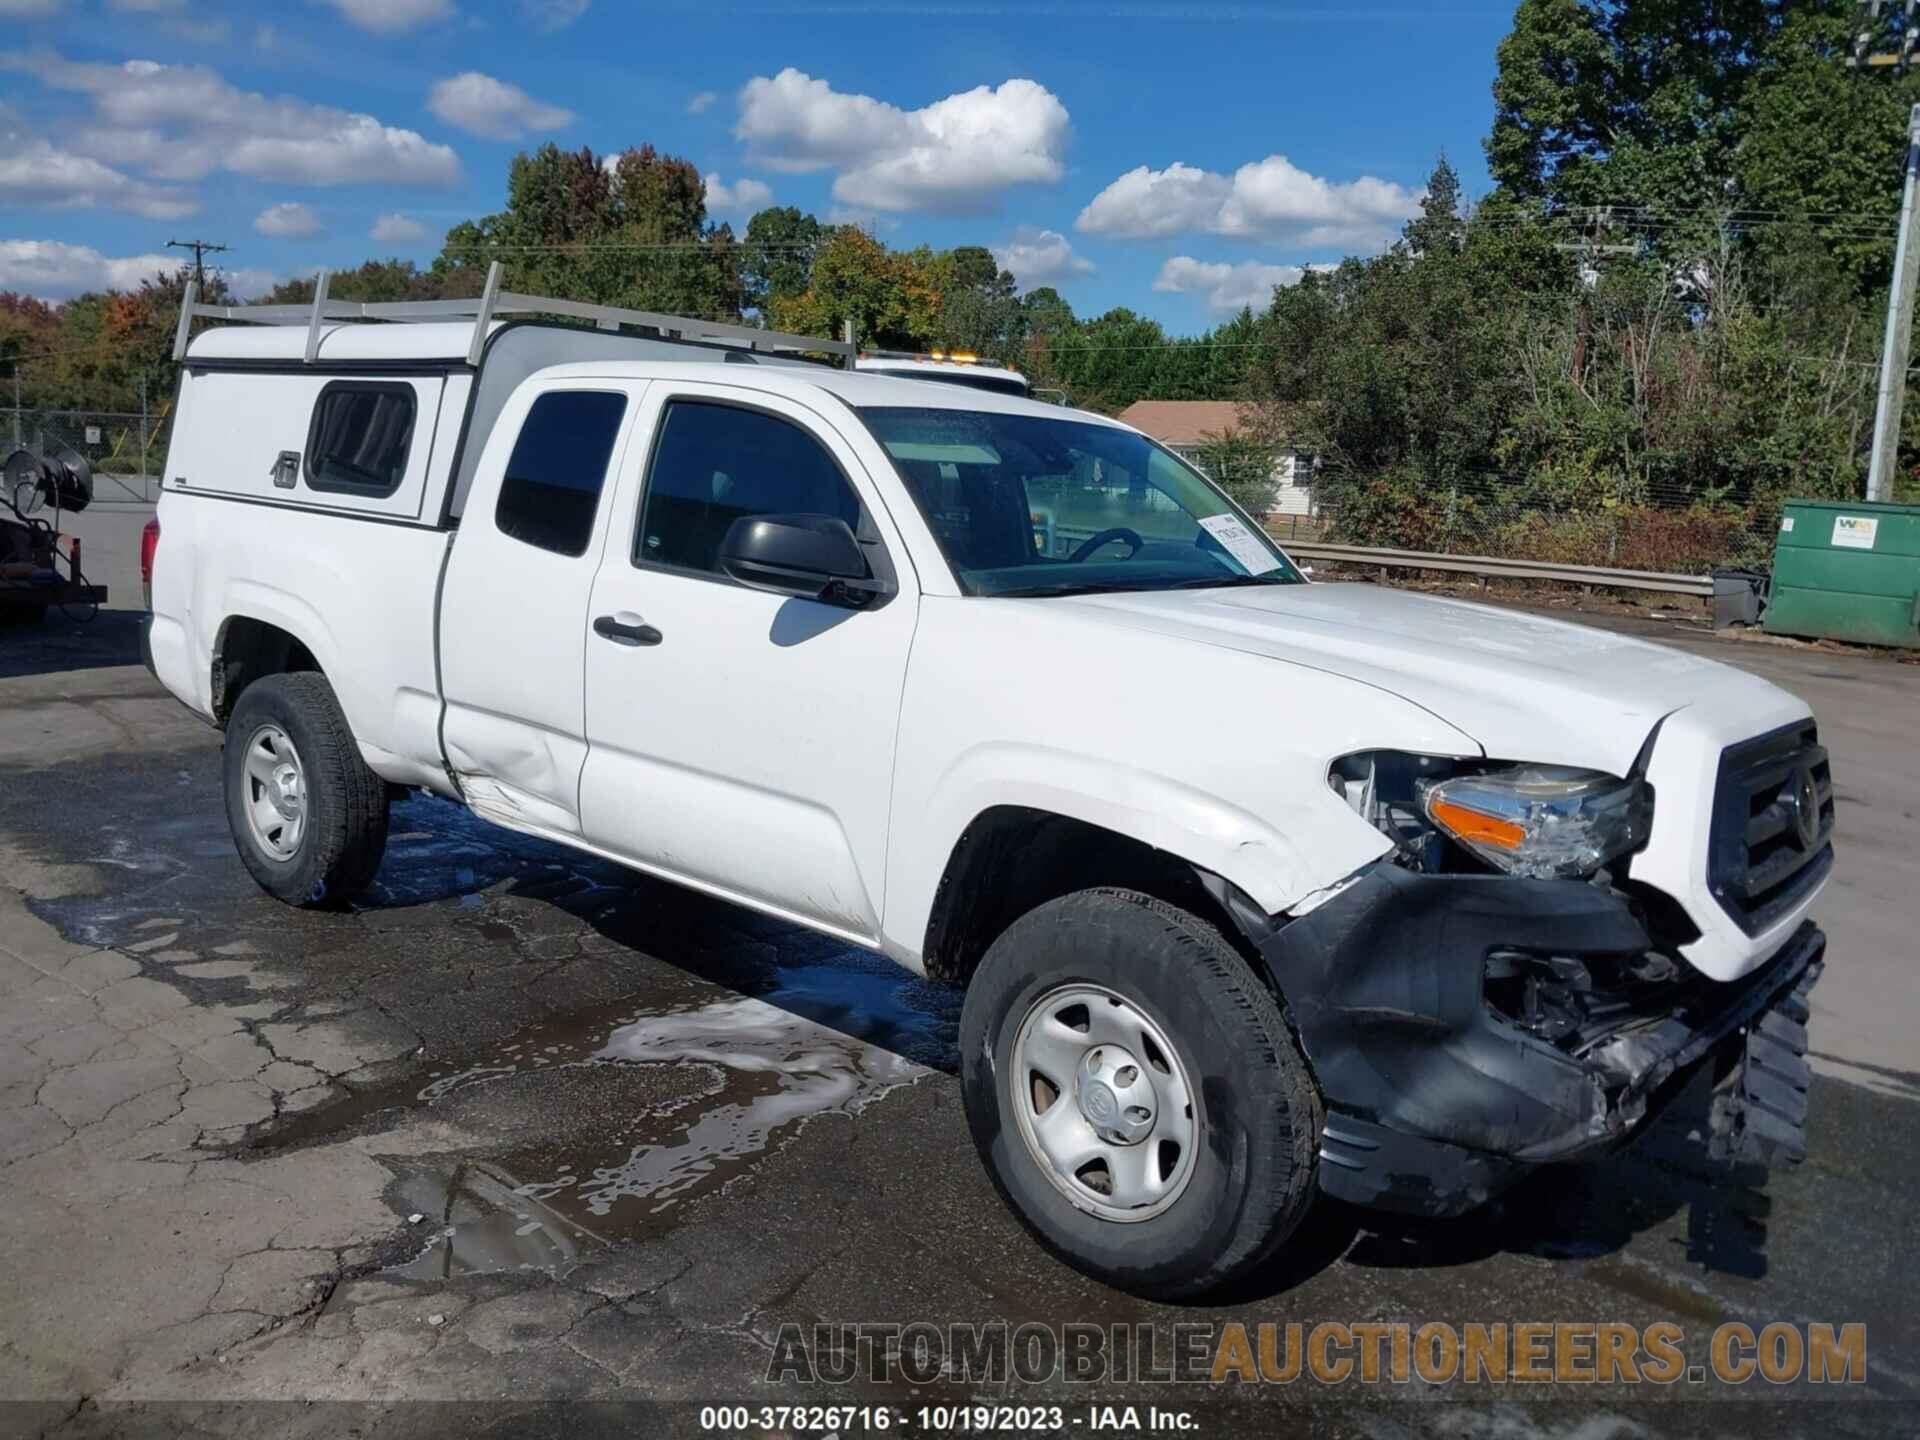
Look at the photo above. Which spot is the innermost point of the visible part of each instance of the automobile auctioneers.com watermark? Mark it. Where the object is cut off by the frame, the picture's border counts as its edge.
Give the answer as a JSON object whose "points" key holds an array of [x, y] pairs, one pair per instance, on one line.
{"points": [[1329, 1353]]}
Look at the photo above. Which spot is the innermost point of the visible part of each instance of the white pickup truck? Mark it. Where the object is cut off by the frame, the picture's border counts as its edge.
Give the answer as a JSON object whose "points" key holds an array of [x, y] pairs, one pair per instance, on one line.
{"points": [[1256, 887]]}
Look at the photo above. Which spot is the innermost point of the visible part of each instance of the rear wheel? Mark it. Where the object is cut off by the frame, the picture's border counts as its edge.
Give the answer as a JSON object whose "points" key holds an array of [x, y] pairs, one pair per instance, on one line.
{"points": [[308, 816], [1136, 1095]]}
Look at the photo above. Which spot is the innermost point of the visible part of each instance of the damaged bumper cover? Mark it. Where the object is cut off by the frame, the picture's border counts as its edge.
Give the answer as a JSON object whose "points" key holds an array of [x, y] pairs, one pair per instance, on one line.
{"points": [[1437, 1097]]}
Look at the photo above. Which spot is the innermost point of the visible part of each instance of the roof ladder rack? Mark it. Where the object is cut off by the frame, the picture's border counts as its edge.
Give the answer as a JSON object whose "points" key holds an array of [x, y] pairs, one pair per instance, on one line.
{"points": [[492, 304]]}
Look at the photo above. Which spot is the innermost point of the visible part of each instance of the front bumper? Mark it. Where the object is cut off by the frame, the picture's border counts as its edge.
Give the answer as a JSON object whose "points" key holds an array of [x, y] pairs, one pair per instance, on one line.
{"points": [[1435, 1101]]}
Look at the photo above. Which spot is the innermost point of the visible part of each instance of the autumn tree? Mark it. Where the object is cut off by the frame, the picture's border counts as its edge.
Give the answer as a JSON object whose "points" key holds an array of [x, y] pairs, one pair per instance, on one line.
{"points": [[890, 298]]}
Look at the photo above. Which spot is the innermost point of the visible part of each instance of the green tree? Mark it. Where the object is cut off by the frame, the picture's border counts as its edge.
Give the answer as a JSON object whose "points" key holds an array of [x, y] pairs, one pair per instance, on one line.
{"points": [[629, 231], [780, 244], [1624, 102], [1822, 149], [378, 282], [980, 308], [1242, 462]]}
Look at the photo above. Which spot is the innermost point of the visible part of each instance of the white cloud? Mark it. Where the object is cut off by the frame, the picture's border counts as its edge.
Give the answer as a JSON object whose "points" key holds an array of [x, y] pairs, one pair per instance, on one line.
{"points": [[954, 156], [157, 155], [1229, 287], [702, 102], [30, 9], [148, 7], [397, 229], [52, 270], [289, 220], [393, 17], [36, 172], [743, 195], [1143, 203], [246, 282], [1041, 257], [1270, 199], [551, 15], [492, 109], [151, 112]]}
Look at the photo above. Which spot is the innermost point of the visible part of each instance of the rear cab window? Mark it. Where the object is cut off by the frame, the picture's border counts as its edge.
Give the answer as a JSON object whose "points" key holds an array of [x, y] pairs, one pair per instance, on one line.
{"points": [[551, 491]]}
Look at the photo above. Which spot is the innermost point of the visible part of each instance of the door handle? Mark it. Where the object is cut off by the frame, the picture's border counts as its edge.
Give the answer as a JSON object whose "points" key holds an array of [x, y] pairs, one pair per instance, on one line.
{"points": [[608, 628]]}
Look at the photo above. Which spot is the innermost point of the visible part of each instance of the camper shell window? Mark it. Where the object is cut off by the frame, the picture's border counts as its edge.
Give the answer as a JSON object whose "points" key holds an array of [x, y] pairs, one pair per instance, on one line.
{"points": [[360, 436]]}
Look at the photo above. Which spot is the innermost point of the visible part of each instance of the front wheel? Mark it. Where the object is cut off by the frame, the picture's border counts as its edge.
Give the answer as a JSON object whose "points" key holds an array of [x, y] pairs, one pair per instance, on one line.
{"points": [[1136, 1095], [308, 816]]}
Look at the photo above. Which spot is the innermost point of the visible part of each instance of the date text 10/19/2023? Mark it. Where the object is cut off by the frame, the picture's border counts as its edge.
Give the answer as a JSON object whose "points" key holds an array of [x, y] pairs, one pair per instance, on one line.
{"points": [[965, 1419]]}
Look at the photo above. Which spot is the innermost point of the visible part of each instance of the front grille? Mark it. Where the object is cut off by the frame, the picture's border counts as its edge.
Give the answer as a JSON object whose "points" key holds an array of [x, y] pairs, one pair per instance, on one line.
{"points": [[1772, 841]]}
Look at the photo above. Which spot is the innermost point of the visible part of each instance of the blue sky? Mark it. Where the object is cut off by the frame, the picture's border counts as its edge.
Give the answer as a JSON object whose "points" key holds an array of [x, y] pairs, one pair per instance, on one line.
{"points": [[1173, 158]]}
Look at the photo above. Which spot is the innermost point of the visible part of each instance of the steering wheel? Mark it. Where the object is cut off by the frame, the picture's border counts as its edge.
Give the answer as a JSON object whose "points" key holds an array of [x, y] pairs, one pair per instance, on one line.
{"points": [[1106, 537]]}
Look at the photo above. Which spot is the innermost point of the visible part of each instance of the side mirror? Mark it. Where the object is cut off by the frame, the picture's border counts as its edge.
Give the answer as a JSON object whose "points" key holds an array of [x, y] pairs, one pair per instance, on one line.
{"points": [[815, 557]]}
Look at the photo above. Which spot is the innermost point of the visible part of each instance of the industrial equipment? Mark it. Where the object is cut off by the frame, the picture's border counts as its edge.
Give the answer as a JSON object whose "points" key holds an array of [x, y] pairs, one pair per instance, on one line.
{"points": [[39, 566]]}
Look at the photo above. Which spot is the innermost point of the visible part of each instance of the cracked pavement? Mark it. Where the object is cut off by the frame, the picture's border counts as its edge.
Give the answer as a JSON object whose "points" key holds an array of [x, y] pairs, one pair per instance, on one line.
{"points": [[526, 1128]]}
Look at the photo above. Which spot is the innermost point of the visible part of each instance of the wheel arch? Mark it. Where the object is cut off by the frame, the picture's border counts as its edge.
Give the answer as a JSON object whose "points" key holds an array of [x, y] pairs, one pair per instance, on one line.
{"points": [[1011, 859], [249, 646]]}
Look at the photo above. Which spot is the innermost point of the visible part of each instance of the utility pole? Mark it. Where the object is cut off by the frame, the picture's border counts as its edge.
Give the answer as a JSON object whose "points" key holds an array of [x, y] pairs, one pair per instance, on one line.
{"points": [[16, 404], [1893, 358], [201, 249], [1599, 220], [1868, 54]]}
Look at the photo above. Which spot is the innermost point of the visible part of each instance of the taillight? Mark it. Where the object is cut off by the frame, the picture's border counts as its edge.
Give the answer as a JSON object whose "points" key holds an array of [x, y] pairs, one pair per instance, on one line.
{"points": [[149, 543]]}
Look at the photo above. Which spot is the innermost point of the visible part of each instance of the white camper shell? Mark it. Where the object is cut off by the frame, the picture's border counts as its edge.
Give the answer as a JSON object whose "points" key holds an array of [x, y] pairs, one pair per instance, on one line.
{"points": [[443, 376]]}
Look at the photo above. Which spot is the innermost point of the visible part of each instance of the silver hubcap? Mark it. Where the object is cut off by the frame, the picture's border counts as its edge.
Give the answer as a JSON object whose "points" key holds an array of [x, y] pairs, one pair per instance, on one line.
{"points": [[276, 798], [1104, 1103]]}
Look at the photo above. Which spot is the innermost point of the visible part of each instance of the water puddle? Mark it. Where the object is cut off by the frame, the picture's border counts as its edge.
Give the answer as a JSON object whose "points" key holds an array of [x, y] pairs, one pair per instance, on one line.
{"points": [[478, 1219], [568, 1132], [607, 1124], [181, 862]]}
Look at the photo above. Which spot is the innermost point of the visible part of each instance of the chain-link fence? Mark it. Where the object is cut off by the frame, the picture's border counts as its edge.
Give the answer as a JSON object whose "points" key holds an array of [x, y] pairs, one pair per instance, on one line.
{"points": [[1666, 530], [127, 451]]}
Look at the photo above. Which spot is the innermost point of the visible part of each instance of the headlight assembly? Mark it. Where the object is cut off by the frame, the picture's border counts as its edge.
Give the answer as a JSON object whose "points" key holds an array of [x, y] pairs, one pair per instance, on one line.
{"points": [[1540, 821]]}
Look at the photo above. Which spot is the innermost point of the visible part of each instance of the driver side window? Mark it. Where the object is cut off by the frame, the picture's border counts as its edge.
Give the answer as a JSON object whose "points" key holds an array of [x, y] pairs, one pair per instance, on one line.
{"points": [[716, 463]]}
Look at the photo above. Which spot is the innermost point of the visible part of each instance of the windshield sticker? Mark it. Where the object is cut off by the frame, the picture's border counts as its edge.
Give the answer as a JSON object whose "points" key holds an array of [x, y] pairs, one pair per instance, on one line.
{"points": [[1241, 543]]}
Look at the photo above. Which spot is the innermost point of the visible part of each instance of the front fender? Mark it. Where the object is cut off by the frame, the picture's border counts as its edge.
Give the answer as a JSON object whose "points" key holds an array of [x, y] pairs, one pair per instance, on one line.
{"points": [[1211, 755], [1257, 853]]}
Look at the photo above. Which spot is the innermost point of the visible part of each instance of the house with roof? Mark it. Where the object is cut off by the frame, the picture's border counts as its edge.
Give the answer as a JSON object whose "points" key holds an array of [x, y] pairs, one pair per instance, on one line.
{"points": [[1186, 427]]}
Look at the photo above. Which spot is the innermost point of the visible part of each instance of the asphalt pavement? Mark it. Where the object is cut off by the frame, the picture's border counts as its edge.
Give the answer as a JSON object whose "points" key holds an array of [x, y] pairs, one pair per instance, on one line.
{"points": [[526, 1128]]}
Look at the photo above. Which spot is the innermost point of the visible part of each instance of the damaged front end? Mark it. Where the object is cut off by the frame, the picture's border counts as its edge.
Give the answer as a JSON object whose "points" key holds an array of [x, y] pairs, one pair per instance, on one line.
{"points": [[1466, 1026]]}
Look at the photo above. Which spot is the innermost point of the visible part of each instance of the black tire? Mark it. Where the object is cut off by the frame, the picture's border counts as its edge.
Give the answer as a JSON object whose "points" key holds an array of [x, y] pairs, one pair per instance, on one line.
{"points": [[1253, 1175], [345, 829]]}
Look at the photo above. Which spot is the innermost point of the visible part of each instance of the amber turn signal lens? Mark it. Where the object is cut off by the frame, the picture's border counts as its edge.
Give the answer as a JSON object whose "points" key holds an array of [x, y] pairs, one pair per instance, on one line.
{"points": [[1471, 827]]}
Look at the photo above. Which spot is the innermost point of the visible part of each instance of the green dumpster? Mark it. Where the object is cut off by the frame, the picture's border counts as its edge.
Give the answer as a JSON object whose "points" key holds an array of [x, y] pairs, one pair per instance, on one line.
{"points": [[1848, 571]]}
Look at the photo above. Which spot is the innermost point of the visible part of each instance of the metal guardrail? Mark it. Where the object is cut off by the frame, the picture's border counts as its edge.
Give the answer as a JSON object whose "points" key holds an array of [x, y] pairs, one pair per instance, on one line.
{"points": [[1598, 575]]}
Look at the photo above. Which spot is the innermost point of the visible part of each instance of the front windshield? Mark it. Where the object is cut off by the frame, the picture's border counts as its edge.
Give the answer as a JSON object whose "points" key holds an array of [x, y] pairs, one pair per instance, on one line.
{"points": [[1028, 506]]}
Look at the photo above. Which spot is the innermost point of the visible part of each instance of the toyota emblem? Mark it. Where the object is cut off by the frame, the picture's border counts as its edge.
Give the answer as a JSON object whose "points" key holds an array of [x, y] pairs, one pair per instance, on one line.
{"points": [[1805, 804]]}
